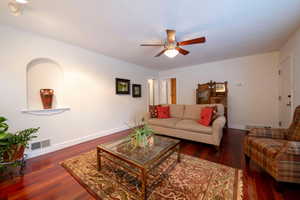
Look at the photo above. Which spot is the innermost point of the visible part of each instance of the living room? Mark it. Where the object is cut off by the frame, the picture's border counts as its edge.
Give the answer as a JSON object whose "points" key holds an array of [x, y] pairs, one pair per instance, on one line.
{"points": [[84, 75]]}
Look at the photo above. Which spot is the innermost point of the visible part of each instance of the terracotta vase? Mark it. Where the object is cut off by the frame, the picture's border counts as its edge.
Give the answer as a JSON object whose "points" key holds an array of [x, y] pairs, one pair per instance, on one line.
{"points": [[47, 98]]}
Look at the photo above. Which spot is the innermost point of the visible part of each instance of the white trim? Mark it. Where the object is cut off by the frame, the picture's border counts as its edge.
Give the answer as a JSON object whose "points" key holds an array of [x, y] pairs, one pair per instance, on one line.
{"points": [[243, 126], [291, 57], [237, 126], [292, 85], [69, 143]]}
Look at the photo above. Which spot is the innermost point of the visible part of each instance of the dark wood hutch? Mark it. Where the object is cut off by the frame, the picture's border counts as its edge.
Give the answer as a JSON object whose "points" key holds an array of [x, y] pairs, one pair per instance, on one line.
{"points": [[213, 93]]}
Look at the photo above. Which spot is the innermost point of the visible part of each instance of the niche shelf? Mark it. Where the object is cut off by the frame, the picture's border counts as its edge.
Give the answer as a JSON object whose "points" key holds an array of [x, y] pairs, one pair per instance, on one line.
{"points": [[52, 111], [44, 73]]}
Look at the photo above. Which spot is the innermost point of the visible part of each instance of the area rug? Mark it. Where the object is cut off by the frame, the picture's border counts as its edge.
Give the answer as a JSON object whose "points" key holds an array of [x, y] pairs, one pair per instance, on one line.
{"points": [[191, 179]]}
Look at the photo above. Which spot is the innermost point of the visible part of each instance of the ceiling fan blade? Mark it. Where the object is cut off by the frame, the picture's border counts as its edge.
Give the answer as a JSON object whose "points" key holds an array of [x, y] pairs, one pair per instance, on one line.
{"points": [[160, 53], [150, 45], [182, 51], [193, 41], [171, 35]]}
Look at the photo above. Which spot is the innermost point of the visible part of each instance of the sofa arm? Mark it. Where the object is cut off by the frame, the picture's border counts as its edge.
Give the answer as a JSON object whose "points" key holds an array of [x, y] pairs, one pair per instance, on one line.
{"points": [[274, 133], [219, 123], [289, 154], [292, 148], [146, 116], [217, 129]]}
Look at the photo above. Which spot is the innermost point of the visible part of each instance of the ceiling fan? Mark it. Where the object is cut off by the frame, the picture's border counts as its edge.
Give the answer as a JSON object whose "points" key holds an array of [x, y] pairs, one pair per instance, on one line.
{"points": [[172, 47]]}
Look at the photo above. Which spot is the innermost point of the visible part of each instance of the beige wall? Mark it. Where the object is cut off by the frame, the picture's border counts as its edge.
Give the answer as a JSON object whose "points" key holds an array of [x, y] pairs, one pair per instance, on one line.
{"points": [[89, 89], [252, 83]]}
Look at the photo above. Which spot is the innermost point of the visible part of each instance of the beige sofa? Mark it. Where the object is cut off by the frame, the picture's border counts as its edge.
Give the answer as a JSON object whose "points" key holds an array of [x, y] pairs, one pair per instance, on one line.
{"points": [[183, 124]]}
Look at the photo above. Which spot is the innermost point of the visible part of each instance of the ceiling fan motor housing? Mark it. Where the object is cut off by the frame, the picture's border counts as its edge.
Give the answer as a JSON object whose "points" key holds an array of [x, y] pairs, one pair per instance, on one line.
{"points": [[170, 45]]}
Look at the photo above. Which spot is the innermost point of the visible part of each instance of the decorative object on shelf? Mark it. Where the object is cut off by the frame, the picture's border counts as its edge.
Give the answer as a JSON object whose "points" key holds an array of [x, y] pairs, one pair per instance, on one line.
{"points": [[12, 145], [47, 98], [141, 136], [122, 86], [136, 90], [213, 93]]}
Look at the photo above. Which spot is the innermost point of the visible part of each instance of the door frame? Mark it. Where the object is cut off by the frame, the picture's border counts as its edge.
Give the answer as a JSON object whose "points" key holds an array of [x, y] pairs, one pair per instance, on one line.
{"points": [[291, 57]]}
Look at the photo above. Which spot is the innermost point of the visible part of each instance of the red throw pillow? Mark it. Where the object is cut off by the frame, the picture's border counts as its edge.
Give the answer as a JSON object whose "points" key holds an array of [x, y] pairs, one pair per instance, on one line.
{"points": [[206, 116], [163, 112]]}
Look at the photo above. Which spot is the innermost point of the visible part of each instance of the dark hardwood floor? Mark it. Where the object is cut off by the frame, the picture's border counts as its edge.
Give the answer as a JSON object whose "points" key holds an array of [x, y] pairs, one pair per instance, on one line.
{"points": [[45, 179]]}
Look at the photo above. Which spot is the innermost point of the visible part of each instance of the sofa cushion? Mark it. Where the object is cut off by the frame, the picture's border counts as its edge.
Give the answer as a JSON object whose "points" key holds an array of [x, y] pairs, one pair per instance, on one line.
{"points": [[170, 122], [176, 110], [193, 125]]}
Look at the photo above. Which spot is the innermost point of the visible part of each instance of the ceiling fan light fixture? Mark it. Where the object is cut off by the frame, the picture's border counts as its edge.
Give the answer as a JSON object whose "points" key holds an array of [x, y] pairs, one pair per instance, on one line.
{"points": [[22, 1], [171, 53]]}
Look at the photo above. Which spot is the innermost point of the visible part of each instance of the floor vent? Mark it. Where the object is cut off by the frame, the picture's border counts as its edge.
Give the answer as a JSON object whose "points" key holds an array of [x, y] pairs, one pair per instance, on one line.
{"points": [[41, 144], [249, 127]]}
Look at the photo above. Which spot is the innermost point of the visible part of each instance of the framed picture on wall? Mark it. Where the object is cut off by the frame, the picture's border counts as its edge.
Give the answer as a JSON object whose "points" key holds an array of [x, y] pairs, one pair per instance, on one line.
{"points": [[122, 86], [136, 90]]}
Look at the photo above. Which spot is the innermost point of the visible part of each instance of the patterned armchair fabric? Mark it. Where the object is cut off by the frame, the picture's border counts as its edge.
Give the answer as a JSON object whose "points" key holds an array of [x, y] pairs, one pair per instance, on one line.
{"points": [[277, 150]]}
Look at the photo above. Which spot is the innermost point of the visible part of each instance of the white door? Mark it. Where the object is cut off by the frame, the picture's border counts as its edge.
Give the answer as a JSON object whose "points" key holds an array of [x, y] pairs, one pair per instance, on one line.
{"points": [[285, 93], [163, 91]]}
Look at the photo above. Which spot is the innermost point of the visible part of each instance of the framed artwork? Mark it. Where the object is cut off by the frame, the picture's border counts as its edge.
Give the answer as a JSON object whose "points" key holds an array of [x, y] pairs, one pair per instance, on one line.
{"points": [[122, 86], [136, 90]]}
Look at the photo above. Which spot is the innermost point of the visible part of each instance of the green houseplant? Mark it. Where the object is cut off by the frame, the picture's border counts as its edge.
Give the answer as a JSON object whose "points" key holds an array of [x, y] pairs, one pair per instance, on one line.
{"points": [[12, 145], [141, 135]]}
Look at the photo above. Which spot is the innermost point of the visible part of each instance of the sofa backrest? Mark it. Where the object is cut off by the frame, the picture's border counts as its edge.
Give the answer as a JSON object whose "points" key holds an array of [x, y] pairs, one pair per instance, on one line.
{"points": [[176, 110], [193, 111]]}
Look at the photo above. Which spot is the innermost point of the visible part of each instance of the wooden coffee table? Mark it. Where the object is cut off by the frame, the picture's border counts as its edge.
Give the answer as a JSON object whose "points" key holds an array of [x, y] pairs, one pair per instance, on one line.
{"points": [[138, 161]]}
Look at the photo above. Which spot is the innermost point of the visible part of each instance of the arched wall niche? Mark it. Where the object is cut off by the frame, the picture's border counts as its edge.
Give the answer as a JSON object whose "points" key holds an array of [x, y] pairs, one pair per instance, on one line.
{"points": [[44, 73]]}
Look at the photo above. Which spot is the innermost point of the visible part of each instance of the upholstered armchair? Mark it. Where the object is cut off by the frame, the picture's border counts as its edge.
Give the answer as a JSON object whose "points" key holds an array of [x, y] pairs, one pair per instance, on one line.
{"points": [[276, 150]]}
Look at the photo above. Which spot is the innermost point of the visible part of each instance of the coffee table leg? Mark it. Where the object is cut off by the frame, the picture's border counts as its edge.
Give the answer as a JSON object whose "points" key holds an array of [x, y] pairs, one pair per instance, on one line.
{"points": [[99, 159], [144, 182], [178, 153]]}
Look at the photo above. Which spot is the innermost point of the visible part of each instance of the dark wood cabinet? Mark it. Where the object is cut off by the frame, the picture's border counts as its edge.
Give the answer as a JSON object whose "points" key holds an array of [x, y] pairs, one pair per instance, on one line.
{"points": [[213, 93]]}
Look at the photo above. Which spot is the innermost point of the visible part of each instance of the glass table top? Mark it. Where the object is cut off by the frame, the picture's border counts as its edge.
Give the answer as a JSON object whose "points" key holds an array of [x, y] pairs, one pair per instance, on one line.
{"points": [[138, 155]]}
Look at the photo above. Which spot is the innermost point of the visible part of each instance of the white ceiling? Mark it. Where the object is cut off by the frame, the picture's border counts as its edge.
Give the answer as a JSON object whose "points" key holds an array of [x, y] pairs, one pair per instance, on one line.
{"points": [[116, 27]]}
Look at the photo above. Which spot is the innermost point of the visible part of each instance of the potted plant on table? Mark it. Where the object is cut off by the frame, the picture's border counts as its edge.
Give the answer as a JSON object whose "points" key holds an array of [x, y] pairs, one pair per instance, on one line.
{"points": [[12, 145], [141, 136]]}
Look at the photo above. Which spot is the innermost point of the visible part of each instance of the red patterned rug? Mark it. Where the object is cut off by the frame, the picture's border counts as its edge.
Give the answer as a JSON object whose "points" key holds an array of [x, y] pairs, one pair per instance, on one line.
{"points": [[191, 179]]}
